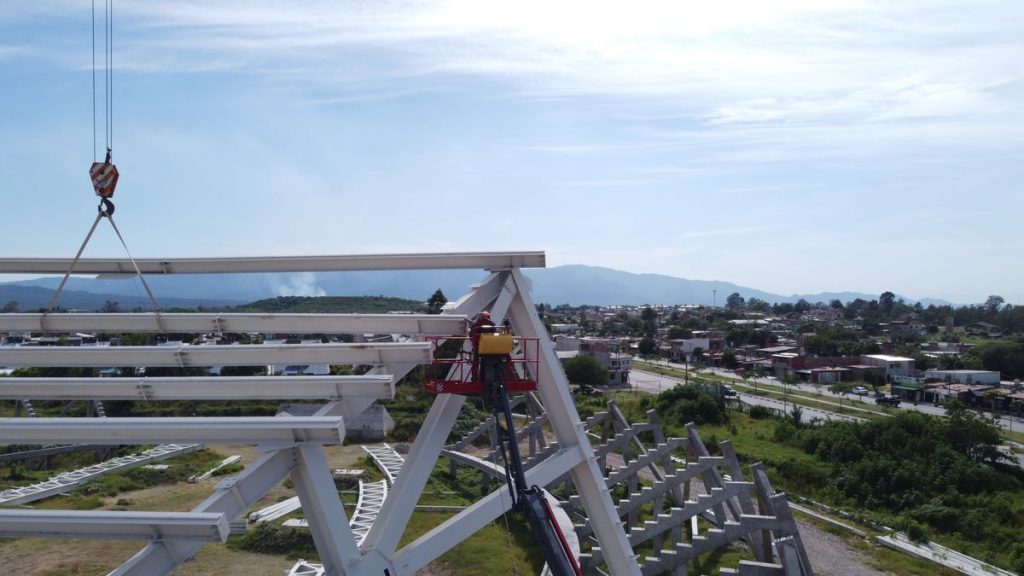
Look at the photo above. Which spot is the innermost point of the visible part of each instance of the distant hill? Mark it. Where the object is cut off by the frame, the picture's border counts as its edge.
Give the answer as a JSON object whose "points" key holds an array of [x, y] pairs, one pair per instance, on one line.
{"points": [[29, 298], [572, 284], [334, 304]]}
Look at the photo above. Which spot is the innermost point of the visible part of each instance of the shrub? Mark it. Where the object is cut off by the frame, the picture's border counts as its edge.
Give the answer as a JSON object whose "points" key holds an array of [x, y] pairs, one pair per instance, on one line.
{"points": [[760, 412], [267, 538]]}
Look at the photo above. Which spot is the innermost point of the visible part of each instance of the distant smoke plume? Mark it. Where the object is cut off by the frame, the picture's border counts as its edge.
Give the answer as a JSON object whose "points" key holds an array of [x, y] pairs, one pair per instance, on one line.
{"points": [[300, 284]]}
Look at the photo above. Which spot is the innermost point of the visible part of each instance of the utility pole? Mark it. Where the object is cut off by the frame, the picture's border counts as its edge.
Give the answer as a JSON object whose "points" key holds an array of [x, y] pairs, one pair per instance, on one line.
{"points": [[714, 298]]}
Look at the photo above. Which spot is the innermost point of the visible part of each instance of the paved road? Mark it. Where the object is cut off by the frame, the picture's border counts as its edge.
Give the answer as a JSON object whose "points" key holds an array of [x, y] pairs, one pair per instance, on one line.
{"points": [[1014, 423], [652, 383]]}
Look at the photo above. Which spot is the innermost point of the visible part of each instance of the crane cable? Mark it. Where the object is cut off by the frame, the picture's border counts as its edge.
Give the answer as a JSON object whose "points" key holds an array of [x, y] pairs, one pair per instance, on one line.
{"points": [[104, 175]]}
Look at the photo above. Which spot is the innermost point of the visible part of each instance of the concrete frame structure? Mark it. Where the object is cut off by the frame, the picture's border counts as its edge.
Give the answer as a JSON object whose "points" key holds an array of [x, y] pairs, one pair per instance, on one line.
{"points": [[699, 504], [291, 446]]}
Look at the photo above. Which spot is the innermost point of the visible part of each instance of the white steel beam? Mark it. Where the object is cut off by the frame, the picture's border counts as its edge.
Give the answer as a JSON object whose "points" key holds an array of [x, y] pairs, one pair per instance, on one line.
{"points": [[235, 355], [212, 430], [106, 525], [202, 323], [157, 266], [199, 388]]}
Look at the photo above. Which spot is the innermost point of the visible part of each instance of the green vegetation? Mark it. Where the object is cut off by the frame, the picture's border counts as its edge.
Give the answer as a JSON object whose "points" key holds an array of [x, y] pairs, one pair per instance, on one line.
{"points": [[691, 403], [335, 304], [586, 371], [90, 496]]}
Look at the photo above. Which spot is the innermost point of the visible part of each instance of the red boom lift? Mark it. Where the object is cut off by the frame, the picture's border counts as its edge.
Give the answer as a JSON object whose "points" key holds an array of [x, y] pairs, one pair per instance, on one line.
{"points": [[495, 364]]}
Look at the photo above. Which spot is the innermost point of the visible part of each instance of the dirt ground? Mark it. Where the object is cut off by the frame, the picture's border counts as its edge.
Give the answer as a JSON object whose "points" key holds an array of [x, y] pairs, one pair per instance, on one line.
{"points": [[830, 555]]}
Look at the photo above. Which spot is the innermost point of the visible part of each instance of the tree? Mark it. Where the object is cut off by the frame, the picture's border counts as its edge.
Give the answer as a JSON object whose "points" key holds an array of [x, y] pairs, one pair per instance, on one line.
{"points": [[110, 306], [735, 301], [436, 302], [678, 332], [729, 360], [11, 306], [993, 304], [758, 305], [647, 346], [586, 371], [649, 320], [886, 302], [698, 354]]}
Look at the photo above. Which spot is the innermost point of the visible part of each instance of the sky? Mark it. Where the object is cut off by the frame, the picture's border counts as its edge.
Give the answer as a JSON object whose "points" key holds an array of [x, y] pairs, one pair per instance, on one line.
{"points": [[792, 146]]}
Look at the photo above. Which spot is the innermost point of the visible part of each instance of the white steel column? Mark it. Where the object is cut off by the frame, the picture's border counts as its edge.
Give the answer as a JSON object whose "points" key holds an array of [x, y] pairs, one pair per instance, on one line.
{"points": [[565, 421], [426, 548], [324, 512], [398, 507]]}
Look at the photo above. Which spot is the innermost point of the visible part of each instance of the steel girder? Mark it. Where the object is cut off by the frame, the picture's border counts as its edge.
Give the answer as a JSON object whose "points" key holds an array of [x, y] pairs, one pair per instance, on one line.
{"points": [[203, 323], [505, 292]]}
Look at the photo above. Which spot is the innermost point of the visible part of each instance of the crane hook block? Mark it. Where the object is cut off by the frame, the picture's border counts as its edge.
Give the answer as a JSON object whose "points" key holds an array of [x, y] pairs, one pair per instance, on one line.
{"points": [[104, 178]]}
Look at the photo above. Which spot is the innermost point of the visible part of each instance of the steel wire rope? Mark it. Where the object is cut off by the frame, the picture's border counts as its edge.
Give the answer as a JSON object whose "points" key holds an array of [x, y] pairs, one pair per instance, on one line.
{"points": [[106, 208]]}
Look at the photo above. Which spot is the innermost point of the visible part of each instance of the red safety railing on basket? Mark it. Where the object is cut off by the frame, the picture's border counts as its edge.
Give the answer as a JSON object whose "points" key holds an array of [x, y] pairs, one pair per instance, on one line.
{"points": [[451, 371]]}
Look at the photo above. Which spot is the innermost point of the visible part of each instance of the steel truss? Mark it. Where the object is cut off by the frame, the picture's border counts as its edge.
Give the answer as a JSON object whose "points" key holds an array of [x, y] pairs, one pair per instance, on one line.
{"points": [[291, 446]]}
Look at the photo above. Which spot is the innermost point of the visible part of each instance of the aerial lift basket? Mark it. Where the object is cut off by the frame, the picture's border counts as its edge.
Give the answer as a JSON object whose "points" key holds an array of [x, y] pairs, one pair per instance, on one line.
{"points": [[455, 368]]}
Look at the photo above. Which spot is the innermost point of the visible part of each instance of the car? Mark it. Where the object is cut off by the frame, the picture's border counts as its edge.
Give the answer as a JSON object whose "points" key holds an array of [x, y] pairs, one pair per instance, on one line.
{"points": [[890, 399], [729, 392], [860, 391]]}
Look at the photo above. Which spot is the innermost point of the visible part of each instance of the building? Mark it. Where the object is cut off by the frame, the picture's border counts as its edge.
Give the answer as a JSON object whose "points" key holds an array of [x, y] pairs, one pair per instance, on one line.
{"points": [[969, 377], [682, 348], [618, 365], [893, 365]]}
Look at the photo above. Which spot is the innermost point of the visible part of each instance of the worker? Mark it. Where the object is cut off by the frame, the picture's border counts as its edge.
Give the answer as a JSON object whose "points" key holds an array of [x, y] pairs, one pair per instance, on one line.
{"points": [[481, 324]]}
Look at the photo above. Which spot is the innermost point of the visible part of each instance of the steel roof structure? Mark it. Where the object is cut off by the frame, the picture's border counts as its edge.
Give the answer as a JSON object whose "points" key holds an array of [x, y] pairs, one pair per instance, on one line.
{"points": [[292, 446]]}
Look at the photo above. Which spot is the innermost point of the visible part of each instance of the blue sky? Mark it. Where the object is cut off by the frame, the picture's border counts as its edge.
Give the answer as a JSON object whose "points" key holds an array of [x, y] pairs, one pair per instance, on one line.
{"points": [[789, 146]]}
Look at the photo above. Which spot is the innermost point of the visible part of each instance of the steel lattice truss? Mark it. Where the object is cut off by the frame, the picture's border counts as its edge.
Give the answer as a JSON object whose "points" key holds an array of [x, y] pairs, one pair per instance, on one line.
{"points": [[676, 508], [291, 446]]}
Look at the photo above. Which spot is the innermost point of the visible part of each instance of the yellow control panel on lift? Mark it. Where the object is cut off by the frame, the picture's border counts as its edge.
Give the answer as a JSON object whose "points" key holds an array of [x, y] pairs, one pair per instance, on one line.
{"points": [[496, 344]]}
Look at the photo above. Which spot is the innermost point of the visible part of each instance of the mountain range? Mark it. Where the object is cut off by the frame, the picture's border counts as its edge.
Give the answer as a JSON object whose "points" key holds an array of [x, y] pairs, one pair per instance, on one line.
{"points": [[570, 284]]}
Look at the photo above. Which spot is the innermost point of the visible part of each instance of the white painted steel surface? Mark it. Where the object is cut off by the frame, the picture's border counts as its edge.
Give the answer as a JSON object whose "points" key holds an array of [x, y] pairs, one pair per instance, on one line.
{"points": [[275, 511], [159, 266], [194, 526], [199, 388], [387, 459], [291, 444], [225, 430], [199, 356], [202, 323], [68, 481]]}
